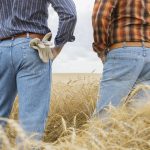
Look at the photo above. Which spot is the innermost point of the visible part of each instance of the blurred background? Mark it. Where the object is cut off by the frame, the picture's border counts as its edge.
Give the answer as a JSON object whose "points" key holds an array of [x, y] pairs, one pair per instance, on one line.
{"points": [[77, 57]]}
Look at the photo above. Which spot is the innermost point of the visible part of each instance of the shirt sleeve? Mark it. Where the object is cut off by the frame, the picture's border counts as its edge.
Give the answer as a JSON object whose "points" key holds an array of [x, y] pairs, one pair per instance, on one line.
{"points": [[101, 20], [66, 11]]}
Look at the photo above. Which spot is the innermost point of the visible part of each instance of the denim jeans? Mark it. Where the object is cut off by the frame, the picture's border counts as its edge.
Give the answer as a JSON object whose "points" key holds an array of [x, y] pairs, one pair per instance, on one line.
{"points": [[124, 69], [22, 72]]}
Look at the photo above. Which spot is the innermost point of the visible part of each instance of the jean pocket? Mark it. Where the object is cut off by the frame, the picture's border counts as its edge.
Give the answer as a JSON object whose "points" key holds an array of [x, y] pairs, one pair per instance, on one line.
{"points": [[32, 62], [119, 68]]}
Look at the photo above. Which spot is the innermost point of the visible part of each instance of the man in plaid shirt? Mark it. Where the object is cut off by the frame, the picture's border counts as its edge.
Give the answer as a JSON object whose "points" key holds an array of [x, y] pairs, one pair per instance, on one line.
{"points": [[122, 41]]}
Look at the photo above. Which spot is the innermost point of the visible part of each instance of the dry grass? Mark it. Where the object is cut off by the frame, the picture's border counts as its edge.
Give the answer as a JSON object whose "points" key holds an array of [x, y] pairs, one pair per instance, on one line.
{"points": [[70, 127]]}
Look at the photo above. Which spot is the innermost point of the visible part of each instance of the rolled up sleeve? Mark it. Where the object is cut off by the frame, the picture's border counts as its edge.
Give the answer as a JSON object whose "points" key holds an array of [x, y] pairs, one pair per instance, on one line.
{"points": [[101, 20], [66, 11]]}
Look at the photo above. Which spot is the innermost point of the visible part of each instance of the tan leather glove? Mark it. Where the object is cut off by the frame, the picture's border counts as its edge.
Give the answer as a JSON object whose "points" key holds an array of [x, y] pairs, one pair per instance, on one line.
{"points": [[43, 47]]}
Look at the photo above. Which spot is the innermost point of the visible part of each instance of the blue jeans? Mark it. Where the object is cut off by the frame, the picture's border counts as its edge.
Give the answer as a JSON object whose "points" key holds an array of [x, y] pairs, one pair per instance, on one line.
{"points": [[22, 72], [124, 69]]}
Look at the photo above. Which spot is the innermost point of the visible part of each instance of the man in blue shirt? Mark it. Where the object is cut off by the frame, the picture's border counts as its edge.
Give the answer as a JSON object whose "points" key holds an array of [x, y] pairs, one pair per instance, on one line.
{"points": [[21, 69]]}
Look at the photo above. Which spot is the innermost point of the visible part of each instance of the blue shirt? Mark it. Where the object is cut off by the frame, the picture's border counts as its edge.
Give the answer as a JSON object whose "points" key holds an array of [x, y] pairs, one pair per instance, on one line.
{"points": [[20, 16]]}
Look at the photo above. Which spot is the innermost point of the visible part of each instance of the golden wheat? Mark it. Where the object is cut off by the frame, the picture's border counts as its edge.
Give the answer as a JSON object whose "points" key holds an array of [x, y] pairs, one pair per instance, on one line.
{"points": [[70, 126]]}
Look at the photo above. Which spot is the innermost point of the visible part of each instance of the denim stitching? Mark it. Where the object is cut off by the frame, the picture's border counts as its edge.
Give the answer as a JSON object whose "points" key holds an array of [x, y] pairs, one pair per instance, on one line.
{"points": [[11, 48]]}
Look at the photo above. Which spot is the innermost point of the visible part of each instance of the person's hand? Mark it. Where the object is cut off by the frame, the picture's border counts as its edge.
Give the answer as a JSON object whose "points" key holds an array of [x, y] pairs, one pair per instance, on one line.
{"points": [[102, 56], [103, 59], [56, 51]]}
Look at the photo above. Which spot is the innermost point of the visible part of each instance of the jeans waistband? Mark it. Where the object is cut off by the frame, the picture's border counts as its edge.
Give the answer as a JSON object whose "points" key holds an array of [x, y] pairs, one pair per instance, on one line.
{"points": [[129, 44], [13, 42]]}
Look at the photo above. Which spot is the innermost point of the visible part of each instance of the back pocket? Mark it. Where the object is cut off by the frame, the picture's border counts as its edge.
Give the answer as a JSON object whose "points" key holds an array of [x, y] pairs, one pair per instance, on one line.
{"points": [[32, 62]]}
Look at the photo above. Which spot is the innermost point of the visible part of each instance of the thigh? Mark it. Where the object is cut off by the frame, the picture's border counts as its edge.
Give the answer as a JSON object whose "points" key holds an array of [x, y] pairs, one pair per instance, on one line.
{"points": [[7, 82], [141, 92], [34, 84], [144, 77], [140, 95], [119, 76]]}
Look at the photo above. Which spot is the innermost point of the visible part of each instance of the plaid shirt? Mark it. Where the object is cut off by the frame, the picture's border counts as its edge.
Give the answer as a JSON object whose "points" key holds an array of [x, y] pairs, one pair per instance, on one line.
{"points": [[117, 21]]}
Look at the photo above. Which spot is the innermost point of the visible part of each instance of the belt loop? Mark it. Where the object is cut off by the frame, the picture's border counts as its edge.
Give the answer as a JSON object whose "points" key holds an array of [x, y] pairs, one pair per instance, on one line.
{"points": [[124, 44], [12, 38], [143, 44], [144, 48], [28, 35]]}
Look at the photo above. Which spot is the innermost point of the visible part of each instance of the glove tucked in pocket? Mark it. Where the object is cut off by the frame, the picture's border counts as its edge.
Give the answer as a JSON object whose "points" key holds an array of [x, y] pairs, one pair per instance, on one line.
{"points": [[43, 47]]}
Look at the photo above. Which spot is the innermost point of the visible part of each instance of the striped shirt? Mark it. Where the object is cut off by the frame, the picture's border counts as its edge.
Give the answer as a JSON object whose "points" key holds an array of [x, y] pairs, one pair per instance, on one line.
{"points": [[21, 16], [117, 21]]}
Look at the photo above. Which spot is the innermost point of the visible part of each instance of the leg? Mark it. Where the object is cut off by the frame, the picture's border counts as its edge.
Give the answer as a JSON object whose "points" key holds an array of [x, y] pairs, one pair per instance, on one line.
{"points": [[33, 83], [142, 87], [7, 83], [120, 73]]}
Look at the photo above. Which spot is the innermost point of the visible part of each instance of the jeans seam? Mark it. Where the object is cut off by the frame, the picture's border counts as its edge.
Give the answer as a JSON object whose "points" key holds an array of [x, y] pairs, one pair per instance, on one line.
{"points": [[47, 110], [13, 66]]}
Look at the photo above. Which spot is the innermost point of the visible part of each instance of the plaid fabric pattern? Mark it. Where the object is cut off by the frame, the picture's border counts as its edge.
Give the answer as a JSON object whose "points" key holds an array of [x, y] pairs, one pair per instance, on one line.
{"points": [[116, 21]]}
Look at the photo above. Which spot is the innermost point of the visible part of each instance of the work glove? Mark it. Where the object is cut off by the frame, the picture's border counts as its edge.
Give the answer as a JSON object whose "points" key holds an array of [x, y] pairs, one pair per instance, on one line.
{"points": [[43, 47]]}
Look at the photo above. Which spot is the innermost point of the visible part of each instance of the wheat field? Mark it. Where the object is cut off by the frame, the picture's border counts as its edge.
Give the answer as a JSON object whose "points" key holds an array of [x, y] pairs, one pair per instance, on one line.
{"points": [[71, 126]]}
